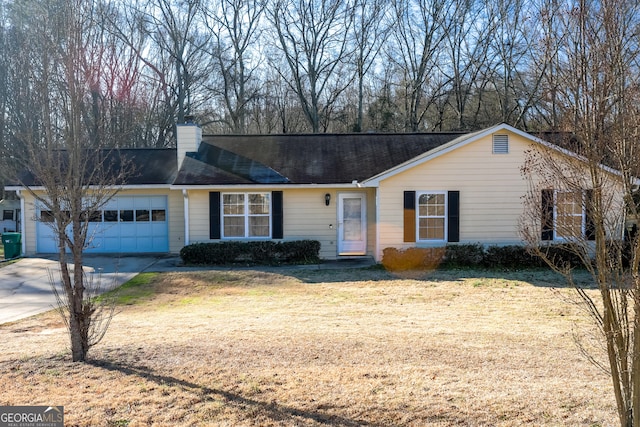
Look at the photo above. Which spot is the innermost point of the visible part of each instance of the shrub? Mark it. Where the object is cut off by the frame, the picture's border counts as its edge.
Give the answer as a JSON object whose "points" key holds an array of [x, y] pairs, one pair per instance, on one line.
{"points": [[210, 253], [261, 252], [257, 252], [300, 251], [566, 253], [465, 255], [511, 256], [620, 253], [477, 256]]}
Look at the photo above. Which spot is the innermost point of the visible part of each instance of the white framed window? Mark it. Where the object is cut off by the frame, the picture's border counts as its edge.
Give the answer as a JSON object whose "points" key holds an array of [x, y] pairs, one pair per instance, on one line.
{"points": [[432, 216], [569, 214], [246, 215]]}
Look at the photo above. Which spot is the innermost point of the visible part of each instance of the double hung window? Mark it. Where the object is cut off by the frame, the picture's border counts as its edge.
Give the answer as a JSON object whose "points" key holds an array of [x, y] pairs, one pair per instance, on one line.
{"points": [[246, 215], [566, 215], [432, 216], [569, 214]]}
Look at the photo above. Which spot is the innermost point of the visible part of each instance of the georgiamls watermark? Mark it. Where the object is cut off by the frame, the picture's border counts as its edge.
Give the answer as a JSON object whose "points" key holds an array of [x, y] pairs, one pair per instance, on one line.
{"points": [[31, 416]]}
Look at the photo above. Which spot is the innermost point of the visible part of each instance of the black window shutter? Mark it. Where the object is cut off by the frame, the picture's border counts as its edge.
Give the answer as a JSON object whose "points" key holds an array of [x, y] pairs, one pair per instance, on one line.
{"points": [[214, 215], [589, 226], [547, 215], [453, 216], [277, 216], [409, 216]]}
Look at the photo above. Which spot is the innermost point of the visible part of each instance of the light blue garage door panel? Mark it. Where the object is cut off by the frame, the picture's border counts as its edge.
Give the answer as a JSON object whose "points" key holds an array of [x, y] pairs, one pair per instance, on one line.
{"points": [[127, 224]]}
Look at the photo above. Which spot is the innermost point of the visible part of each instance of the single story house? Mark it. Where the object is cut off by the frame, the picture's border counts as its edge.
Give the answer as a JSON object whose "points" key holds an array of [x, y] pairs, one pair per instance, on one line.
{"points": [[355, 193]]}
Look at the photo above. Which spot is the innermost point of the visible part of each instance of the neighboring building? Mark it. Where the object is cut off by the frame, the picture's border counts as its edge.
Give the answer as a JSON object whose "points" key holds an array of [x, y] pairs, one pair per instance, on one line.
{"points": [[10, 210], [355, 193]]}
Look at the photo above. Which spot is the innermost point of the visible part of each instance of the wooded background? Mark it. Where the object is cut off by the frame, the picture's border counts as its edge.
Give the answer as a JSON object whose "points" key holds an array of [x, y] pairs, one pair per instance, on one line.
{"points": [[137, 67]]}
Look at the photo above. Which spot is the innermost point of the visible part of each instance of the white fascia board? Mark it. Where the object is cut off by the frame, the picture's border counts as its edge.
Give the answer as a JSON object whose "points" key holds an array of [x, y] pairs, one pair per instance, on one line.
{"points": [[145, 187], [439, 151], [264, 186], [92, 187]]}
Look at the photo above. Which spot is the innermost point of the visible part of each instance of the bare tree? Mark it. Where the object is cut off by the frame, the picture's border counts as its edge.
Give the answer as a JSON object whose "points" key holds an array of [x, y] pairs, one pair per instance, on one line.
{"points": [[69, 175], [166, 37], [467, 50], [583, 203], [369, 35], [312, 36], [419, 28], [546, 62], [235, 28], [510, 51]]}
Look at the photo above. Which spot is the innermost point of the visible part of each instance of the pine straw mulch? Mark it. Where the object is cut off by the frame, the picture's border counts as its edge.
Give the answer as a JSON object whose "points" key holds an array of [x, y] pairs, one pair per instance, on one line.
{"points": [[313, 348]]}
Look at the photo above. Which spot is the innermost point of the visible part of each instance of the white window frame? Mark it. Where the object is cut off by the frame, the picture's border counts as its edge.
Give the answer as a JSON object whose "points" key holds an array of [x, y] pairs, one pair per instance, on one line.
{"points": [[445, 216], [246, 215], [582, 215]]}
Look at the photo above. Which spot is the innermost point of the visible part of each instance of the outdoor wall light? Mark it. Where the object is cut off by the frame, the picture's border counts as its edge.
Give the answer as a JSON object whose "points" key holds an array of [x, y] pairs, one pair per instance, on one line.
{"points": [[327, 199]]}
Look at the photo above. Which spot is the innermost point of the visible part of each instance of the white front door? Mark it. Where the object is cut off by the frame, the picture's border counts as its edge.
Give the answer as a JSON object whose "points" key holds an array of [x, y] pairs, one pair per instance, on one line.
{"points": [[352, 224]]}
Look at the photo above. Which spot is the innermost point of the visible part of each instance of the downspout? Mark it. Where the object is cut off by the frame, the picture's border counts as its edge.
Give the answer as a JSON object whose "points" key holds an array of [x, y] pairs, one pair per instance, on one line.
{"points": [[185, 196], [377, 256], [22, 222]]}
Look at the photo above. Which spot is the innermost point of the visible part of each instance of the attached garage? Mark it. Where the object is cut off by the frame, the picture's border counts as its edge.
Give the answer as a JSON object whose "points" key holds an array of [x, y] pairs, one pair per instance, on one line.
{"points": [[127, 224]]}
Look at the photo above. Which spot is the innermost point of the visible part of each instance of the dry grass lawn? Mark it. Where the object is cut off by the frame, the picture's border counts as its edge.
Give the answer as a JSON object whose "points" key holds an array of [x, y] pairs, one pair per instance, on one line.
{"points": [[311, 348]]}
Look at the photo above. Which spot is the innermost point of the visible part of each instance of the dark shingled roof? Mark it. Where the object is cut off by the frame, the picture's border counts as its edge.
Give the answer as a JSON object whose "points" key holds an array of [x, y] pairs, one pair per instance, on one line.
{"points": [[302, 159], [199, 173], [151, 165], [148, 166]]}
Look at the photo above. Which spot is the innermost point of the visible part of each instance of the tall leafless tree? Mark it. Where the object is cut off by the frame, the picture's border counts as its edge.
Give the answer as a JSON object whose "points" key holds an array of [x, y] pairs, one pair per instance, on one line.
{"points": [[599, 87], [467, 49], [369, 34], [70, 175], [312, 37], [168, 38], [235, 29], [419, 29]]}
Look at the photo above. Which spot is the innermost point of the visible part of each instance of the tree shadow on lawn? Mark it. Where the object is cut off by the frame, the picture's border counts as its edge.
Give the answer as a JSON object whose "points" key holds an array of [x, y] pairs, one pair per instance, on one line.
{"points": [[539, 277], [270, 409]]}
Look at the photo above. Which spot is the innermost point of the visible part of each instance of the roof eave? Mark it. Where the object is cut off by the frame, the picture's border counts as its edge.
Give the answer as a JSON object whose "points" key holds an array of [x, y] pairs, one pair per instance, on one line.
{"points": [[264, 186], [92, 187]]}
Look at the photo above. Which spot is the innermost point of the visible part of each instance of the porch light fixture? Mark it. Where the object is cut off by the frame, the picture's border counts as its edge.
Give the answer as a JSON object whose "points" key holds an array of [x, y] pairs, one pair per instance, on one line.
{"points": [[327, 199]]}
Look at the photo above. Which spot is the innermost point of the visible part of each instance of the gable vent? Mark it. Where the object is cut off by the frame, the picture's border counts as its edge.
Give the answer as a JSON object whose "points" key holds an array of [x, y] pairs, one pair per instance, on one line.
{"points": [[500, 144]]}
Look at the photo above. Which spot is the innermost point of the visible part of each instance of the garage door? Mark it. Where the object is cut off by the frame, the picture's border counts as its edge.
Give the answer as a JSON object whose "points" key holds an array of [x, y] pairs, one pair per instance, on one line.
{"points": [[127, 224]]}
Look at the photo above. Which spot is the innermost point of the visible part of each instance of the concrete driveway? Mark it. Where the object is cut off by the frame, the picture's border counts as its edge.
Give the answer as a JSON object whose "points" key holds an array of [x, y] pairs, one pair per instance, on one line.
{"points": [[25, 287]]}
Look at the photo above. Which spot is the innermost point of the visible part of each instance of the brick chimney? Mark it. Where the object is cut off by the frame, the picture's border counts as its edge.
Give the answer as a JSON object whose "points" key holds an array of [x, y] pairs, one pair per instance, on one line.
{"points": [[188, 136]]}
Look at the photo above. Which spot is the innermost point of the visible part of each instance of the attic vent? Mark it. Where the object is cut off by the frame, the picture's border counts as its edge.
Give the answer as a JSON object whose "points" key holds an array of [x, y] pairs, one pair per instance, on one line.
{"points": [[500, 144]]}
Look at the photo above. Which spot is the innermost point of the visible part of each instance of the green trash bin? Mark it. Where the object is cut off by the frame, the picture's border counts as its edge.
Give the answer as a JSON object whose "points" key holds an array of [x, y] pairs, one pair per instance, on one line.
{"points": [[12, 246]]}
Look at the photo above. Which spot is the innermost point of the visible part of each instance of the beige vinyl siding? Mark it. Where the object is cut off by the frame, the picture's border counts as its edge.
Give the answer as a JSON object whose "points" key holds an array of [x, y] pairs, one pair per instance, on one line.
{"points": [[198, 216], [175, 217], [305, 216], [490, 185], [29, 215]]}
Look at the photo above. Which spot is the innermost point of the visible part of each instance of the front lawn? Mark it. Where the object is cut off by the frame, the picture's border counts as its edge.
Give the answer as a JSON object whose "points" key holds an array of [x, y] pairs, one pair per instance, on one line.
{"points": [[311, 348]]}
